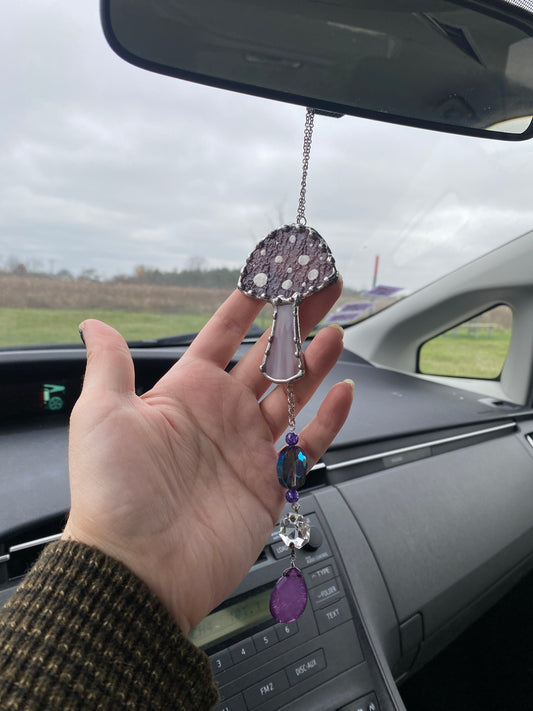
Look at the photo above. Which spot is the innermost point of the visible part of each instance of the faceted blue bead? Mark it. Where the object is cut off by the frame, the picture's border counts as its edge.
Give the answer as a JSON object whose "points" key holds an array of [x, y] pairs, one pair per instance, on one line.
{"points": [[292, 467]]}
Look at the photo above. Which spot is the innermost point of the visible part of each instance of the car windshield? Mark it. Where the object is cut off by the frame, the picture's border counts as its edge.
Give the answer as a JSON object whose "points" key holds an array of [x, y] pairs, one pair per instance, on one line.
{"points": [[135, 198]]}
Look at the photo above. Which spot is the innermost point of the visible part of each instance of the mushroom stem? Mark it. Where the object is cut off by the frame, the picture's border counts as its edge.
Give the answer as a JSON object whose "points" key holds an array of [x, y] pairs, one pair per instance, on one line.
{"points": [[283, 361]]}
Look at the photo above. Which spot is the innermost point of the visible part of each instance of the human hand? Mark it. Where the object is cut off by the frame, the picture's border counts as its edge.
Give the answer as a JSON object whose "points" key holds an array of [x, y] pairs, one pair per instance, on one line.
{"points": [[180, 483]]}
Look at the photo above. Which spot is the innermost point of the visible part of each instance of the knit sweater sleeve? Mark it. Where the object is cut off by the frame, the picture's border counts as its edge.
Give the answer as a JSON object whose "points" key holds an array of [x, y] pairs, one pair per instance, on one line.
{"points": [[82, 632]]}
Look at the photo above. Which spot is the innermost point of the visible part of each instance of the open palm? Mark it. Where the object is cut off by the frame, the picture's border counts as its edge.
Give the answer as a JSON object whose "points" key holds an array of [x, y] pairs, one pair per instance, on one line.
{"points": [[179, 484]]}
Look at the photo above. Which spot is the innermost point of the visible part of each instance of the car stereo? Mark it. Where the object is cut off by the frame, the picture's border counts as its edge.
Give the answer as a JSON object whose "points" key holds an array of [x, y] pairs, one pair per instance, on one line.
{"points": [[315, 663]]}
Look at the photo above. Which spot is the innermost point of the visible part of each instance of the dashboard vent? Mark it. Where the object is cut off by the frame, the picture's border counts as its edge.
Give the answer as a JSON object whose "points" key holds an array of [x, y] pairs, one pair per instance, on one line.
{"points": [[20, 549]]}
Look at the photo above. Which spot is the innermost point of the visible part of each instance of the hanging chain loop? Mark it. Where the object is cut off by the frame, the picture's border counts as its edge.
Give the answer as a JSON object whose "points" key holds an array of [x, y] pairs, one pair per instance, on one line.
{"points": [[308, 134]]}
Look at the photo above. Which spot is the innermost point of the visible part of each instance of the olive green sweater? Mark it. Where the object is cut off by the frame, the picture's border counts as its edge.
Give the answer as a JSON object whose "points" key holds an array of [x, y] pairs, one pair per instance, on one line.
{"points": [[82, 632]]}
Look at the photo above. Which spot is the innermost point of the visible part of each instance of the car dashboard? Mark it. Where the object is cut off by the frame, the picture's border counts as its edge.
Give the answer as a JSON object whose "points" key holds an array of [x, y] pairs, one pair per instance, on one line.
{"points": [[420, 514]]}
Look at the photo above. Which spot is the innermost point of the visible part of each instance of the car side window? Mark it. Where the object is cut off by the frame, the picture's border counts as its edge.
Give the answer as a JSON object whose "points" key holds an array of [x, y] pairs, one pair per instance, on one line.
{"points": [[476, 348]]}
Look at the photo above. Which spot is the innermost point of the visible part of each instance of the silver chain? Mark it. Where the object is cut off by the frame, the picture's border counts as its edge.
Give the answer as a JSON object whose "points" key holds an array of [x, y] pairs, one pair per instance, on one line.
{"points": [[292, 408], [293, 555], [300, 219], [308, 134]]}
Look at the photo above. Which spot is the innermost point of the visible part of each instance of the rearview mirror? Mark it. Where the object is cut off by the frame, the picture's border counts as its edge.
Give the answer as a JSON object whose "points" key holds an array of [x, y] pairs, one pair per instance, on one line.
{"points": [[452, 65]]}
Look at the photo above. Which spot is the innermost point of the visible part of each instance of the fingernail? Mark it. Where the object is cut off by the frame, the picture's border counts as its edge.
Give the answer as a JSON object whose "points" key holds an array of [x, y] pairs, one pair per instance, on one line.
{"points": [[350, 383], [336, 325], [80, 331]]}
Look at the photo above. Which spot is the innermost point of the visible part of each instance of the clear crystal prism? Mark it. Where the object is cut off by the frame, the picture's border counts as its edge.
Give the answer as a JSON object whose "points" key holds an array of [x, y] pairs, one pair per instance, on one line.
{"points": [[294, 529]]}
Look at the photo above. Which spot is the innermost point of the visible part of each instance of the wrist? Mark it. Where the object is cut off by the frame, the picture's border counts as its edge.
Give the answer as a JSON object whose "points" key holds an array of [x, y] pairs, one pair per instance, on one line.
{"points": [[133, 563]]}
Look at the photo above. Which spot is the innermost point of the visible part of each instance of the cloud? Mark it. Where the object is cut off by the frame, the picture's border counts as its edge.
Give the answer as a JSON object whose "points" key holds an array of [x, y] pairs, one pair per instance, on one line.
{"points": [[106, 166]]}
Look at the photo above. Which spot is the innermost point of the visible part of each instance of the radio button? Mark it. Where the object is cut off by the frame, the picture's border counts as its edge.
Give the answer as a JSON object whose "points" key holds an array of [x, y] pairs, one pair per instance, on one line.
{"points": [[242, 650], [286, 630], [367, 703], [315, 539], [324, 594], [220, 661], [236, 703], [306, 667], [332, 616], [320, 574], [275, 537], [312, 557], [280, 550], [265, 639], [266, 689]]}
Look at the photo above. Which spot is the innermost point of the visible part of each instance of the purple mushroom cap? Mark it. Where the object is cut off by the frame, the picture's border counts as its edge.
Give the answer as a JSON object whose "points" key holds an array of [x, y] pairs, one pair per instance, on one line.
{"points": [[291, 263]]}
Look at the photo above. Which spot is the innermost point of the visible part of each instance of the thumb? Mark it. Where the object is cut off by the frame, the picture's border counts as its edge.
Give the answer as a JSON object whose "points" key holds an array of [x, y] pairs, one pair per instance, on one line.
{"points": [[109, 362]]}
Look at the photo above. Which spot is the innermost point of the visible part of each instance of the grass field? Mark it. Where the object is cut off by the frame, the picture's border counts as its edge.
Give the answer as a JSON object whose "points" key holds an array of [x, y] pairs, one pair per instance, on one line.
{"points": [[465, 355], [462, 354], [40, 326], [36, 310]]}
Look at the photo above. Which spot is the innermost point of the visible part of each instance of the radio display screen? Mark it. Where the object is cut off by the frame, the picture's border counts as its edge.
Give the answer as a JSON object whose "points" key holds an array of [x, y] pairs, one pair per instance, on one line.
{"points": [[223, 622]]}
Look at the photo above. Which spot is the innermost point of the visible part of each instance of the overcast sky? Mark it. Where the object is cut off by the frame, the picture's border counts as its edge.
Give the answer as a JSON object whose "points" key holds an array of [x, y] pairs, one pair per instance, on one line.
{"points": [[105, 166]]}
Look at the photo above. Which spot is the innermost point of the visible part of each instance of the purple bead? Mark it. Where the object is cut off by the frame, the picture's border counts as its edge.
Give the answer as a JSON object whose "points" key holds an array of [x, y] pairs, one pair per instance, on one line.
{"points": [[291, 439], [289, 597], [292, 467], [292, 496]]}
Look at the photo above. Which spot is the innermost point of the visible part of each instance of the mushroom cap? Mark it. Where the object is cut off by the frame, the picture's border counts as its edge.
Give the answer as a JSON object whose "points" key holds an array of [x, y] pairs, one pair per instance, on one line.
{"points": [[291, 263]]}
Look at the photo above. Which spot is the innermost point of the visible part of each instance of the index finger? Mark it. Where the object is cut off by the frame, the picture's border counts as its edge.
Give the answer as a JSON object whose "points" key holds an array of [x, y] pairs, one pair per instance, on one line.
{"points": [[222, 335]]}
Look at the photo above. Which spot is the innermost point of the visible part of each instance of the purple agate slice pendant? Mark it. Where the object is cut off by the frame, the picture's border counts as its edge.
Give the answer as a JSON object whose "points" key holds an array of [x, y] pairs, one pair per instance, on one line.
{"points": [[289, 597], [291, 263]]}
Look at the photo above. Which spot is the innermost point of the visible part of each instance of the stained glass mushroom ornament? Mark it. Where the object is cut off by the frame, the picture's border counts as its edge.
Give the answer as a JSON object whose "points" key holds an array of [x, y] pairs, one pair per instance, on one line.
{"points": [[288, 265]]}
